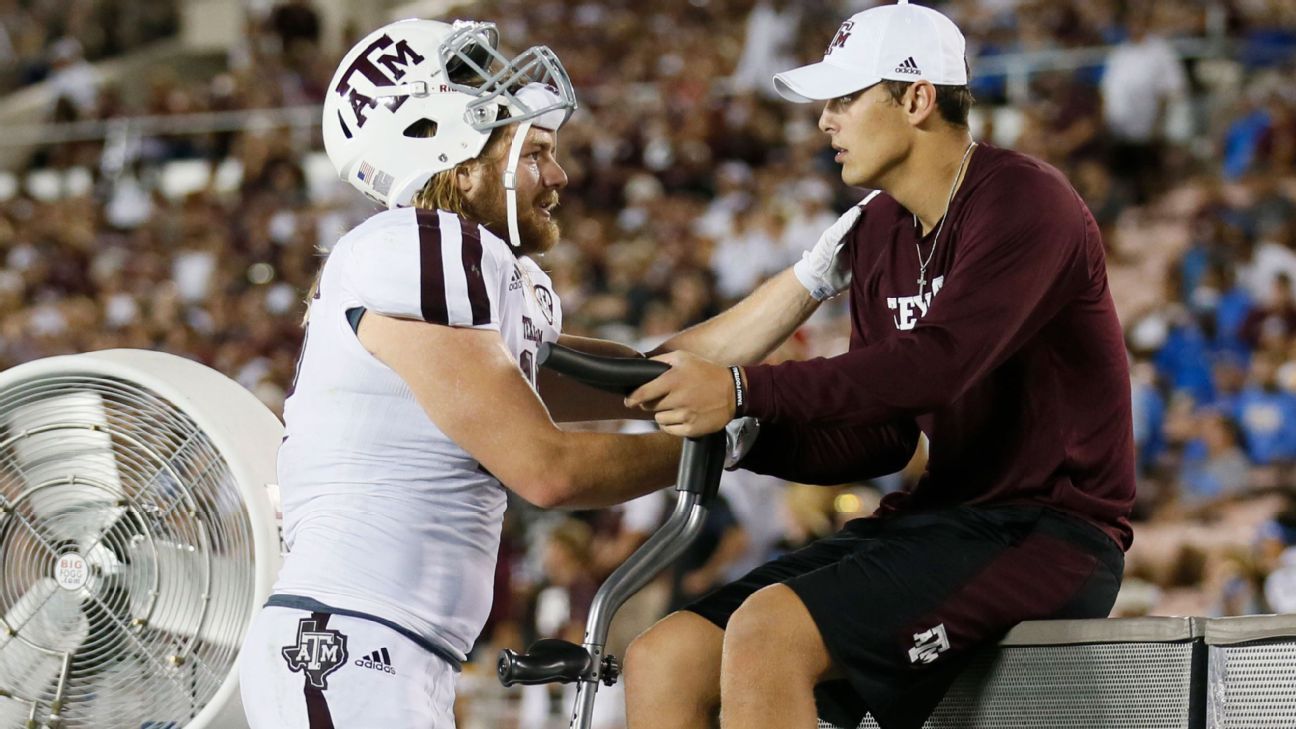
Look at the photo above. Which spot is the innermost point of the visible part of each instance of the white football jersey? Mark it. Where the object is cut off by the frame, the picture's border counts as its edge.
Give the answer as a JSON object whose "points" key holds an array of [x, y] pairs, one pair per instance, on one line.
{"points": [[383, 513]]}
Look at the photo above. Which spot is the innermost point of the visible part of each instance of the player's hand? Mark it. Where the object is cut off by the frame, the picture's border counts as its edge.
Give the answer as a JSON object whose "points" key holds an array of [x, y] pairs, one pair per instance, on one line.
{"points": [[693, 398], [825, 270]]}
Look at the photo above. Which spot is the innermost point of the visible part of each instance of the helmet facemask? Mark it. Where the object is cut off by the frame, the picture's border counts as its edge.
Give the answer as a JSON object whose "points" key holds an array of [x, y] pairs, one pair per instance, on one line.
{"points": [[472, 64]]}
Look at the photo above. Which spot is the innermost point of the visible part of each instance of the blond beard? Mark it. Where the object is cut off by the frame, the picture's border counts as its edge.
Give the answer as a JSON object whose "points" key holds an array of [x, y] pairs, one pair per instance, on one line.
{"points": [[488, 207]]}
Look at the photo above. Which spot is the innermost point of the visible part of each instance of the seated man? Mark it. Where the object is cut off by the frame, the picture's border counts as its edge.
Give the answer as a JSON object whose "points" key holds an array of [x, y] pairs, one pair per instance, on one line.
{"points": [[981, 317]]}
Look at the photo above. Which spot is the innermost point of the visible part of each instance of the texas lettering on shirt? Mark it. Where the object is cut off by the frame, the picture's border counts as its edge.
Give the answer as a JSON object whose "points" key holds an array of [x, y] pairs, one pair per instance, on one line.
{"points": [[909, 309]]}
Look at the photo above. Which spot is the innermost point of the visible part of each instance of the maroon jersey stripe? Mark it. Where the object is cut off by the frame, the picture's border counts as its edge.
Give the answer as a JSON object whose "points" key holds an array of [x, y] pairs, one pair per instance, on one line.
{"points": [[432, 278], [472, 257], [318, 715]]}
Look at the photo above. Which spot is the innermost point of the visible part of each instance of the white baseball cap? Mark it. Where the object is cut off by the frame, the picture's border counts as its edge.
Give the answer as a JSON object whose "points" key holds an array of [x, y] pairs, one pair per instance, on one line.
{"points": [[900, 42]]}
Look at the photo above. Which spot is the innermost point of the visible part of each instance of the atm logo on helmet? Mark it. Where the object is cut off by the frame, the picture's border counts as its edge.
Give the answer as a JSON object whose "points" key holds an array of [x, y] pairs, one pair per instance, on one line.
{"points": [[843, 33], [383, 69]]}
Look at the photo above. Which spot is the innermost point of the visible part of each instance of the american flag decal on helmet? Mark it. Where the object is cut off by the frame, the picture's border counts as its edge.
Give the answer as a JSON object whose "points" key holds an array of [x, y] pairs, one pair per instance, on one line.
{"points": [[366, 171]]}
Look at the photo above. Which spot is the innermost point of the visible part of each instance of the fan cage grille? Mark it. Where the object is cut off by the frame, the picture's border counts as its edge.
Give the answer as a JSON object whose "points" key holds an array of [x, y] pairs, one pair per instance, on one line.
{"points": [[125, 547]]}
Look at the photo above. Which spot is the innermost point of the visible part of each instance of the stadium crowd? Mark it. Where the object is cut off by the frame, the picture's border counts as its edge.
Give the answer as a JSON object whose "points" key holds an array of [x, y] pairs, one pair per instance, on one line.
{"points": [[45, 39], [689, 185]]}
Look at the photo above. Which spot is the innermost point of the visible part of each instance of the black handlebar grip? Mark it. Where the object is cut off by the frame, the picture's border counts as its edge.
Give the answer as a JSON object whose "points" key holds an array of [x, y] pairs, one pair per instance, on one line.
{"points": [[620, 375], [546, 661], [507, 667]]}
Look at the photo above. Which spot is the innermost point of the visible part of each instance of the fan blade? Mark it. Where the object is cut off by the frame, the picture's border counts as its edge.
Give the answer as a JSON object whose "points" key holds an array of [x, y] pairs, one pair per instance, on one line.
{"points": [[179, 600], [62, 442], [130, 694], [46, 616]]}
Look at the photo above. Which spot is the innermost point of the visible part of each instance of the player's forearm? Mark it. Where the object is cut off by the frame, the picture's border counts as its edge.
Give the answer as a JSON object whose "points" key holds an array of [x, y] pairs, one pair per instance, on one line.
{"points": [[569, 401], [748, 331], [597, 470], [574, 403]]}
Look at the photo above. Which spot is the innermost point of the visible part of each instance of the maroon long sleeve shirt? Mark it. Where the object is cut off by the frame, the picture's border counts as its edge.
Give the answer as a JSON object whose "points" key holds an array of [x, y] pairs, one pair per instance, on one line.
{"points": [[1012, 362]]}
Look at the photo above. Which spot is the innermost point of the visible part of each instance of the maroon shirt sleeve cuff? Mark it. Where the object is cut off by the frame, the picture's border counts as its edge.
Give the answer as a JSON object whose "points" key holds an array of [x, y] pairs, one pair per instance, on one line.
{"points": [[760, 391]]}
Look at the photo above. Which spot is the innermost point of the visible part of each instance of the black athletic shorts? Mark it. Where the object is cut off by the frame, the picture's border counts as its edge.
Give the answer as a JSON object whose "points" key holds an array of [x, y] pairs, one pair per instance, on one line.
{"points": [[902, 601]]}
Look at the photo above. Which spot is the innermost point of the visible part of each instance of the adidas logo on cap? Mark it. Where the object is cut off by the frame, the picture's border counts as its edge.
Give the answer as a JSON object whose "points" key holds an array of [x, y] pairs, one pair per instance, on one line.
{"points": [[379, 660], [908, 66]]}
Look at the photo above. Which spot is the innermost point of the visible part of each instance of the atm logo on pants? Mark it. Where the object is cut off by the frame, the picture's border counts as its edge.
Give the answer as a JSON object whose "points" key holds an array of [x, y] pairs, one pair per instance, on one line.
{"points": [[317, 652]]}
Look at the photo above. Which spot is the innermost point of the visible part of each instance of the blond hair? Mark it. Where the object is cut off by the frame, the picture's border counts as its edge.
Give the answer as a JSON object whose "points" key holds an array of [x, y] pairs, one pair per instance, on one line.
{"points": [[441, 191]]}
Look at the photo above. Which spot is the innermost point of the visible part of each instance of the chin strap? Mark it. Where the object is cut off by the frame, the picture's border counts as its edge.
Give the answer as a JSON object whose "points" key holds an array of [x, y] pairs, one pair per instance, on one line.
{"points": [[510, 182]]}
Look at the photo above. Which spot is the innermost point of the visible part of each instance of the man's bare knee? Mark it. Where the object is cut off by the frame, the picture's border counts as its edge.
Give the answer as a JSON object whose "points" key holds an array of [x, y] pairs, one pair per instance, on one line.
{"points": [[672, 674], [773, 629], [680, 643]]}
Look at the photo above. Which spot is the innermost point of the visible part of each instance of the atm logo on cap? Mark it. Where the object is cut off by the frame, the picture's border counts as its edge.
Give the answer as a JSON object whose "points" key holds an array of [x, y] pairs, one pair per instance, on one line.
{"points": [[843, 33]]}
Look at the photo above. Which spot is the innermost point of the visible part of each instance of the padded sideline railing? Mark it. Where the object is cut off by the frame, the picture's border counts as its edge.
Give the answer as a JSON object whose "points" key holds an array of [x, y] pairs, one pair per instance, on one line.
{"points": [[1142, 673]]}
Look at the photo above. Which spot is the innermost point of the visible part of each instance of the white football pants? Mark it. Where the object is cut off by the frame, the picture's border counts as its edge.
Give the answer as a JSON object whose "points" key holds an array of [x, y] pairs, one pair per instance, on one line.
{"points": [[302, 670]]}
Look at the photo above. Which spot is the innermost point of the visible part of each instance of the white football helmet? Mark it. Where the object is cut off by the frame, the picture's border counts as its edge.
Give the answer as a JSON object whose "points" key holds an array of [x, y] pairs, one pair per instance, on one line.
{"points": [[413, 77]]}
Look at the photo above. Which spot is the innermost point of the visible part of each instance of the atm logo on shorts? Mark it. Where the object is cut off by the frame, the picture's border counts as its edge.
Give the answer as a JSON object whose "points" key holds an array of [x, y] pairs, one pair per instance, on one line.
{"points": [[929, 644], [317, 652]]}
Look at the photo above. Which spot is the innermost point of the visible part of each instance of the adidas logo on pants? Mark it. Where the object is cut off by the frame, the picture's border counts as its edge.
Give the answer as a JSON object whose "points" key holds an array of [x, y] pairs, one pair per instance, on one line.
{"points": [[379, 660]]}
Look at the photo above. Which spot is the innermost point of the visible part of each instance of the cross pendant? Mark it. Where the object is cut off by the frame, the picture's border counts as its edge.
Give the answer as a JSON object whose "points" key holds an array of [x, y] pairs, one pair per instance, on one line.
{"points": [[922, 282]]}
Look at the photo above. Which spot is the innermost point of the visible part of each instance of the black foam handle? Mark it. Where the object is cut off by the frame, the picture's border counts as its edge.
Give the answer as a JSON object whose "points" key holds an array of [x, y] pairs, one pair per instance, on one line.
{"points": [[546, 661], [621, 375]]}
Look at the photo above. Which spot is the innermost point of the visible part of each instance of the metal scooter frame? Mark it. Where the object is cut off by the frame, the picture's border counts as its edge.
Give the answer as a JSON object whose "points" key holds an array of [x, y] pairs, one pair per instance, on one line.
{"points": [[559, 661]]}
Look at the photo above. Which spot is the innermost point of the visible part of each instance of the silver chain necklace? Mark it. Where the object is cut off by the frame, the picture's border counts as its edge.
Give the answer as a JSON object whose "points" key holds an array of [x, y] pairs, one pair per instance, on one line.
{"points": [[922, 265]]}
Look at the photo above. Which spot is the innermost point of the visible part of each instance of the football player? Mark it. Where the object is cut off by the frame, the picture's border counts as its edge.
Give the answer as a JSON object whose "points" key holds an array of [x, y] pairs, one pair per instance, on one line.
{"points": [[415, 404]]}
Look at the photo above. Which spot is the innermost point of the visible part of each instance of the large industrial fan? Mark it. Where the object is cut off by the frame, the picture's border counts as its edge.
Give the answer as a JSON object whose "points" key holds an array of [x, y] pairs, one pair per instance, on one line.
{"points": [[137, 540]]}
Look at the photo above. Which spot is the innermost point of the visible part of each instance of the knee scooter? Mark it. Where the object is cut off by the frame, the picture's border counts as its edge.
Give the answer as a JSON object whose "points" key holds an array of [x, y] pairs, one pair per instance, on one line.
{"points": [[560, 661]]}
